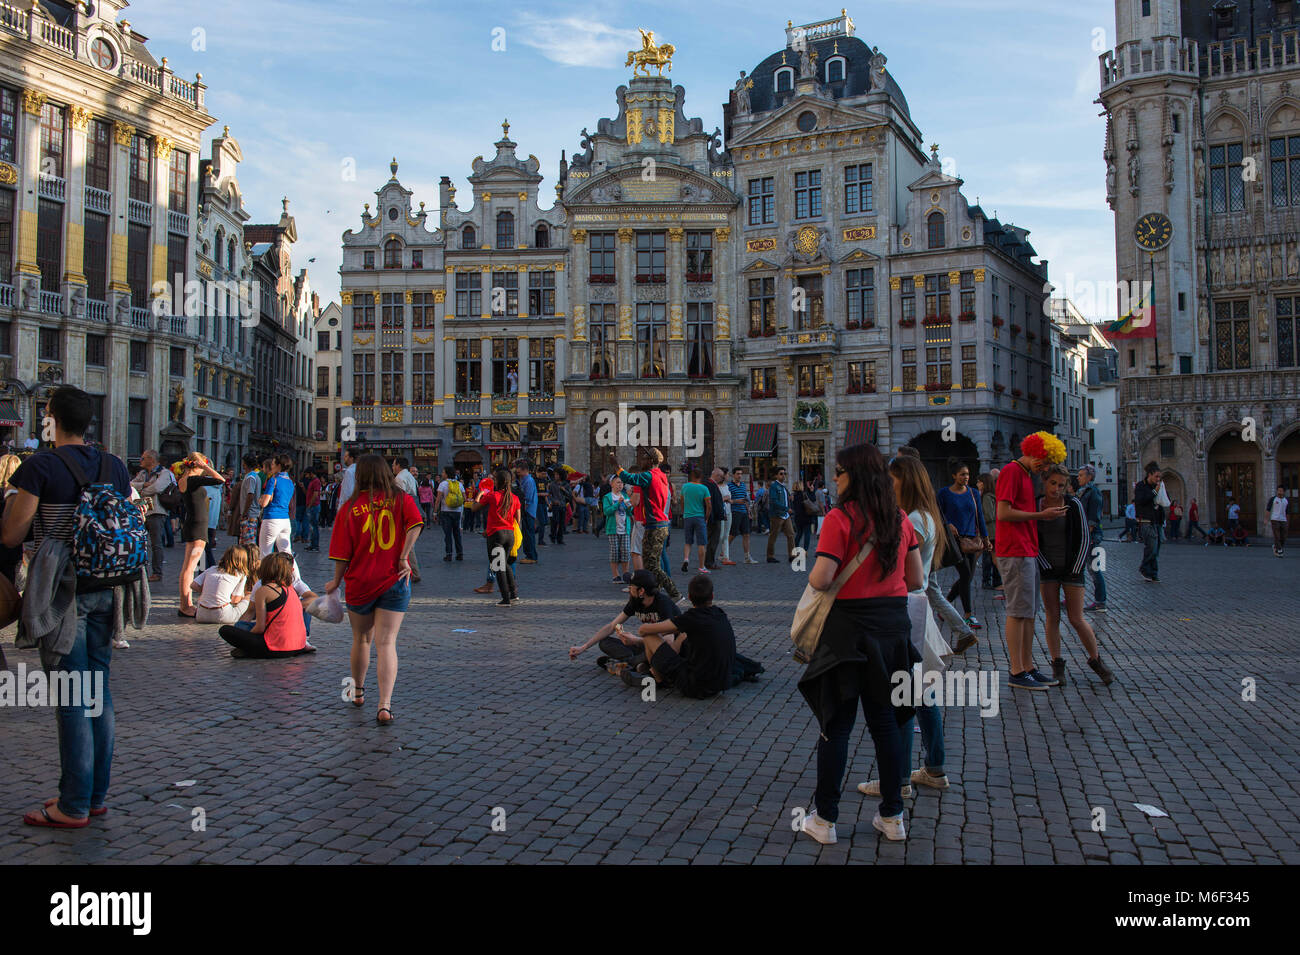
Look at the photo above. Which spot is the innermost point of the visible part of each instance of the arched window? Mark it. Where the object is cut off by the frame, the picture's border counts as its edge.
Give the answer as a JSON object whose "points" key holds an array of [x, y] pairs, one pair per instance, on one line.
{"points": [[934, 225], [468, 238], [542, 237], [784, 79], [505, 230], [230, 255], [835, 69], [220, 244], [392, 254]]}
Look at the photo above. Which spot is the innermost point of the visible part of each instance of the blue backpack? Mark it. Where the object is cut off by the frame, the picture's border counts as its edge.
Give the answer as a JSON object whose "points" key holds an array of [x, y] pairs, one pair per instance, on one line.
{"points": [[110, 545]]}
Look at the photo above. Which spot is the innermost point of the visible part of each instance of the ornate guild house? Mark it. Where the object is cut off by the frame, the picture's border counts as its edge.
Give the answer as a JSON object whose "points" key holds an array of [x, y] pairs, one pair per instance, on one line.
{"points": [[651, 205]]}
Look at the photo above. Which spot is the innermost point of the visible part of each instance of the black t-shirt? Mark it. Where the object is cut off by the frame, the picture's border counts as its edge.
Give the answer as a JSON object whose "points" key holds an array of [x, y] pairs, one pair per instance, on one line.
{"points": [[708, 651], [196, 498], [661, 607], [49, 479], [715, 507]]}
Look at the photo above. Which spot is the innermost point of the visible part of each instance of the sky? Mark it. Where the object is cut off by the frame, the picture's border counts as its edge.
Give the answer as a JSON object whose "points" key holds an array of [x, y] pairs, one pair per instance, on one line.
{"points": [[322, 95]]}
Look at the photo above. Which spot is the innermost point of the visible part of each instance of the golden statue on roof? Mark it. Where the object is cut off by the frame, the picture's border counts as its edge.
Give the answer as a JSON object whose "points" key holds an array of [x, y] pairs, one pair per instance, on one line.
{"points": [[651, 54]]}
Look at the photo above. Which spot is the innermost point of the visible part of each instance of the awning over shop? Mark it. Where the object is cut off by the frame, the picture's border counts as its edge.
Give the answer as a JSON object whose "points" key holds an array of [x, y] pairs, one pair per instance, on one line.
{"points": [[9, 417], [860, 432], [761, 441]]}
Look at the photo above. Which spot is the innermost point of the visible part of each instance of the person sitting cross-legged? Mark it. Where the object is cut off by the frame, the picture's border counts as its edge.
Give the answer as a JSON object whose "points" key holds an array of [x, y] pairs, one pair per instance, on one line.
{"points": [[647, 603], [1216, 536], [692, 651]]}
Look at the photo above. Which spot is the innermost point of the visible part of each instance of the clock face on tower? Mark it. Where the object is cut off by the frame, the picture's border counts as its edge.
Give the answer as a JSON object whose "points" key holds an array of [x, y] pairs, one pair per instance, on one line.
{"points": [[1153, 231]]}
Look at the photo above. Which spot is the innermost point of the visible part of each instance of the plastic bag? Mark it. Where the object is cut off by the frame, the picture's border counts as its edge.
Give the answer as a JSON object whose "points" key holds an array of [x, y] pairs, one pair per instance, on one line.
{"points": [[327, 607]]}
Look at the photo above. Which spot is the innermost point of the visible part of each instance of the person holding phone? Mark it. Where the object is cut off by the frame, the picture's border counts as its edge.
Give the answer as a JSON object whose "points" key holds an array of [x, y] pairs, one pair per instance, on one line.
{"points": [[1016, 543]]}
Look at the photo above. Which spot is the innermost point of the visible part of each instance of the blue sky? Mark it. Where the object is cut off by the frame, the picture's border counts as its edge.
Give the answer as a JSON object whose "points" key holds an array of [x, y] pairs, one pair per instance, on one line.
{"points": [[1006, 87]]}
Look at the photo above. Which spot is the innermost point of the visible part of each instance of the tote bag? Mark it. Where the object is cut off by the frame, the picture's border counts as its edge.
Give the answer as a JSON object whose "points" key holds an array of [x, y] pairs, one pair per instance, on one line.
{"points": [[815, 605]]}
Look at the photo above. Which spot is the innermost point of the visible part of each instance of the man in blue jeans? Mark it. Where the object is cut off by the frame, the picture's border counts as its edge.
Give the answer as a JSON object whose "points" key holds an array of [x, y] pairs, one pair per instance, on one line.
{"points": [[528, 512], [1090, 497], [1150, 519], [46, 503]]}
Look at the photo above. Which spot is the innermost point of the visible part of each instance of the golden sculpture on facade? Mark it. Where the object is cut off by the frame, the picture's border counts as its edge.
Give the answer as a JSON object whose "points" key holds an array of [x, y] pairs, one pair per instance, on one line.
{"points": [[650, 55]]}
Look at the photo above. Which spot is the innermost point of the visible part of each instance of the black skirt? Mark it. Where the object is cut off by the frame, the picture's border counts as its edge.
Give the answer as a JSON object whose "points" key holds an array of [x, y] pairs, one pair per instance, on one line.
{"points": [[864, 643]]}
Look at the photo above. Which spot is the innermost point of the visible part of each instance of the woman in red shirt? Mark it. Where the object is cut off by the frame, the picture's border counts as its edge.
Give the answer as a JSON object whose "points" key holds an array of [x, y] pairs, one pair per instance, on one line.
{"points": [[502, 508], [371, 548], [866, 640]]}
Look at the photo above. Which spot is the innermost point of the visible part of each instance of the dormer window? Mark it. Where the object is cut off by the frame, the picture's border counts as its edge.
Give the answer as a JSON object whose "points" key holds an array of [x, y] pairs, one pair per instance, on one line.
{"points": [[835, 68], [392, 254], [468, 238], [784, 79], [1284, 11], [542, 237]]}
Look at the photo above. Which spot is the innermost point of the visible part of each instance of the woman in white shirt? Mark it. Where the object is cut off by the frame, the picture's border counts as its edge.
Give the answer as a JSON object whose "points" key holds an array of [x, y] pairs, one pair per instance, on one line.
{"points": [[222, 597], [916, 496]]}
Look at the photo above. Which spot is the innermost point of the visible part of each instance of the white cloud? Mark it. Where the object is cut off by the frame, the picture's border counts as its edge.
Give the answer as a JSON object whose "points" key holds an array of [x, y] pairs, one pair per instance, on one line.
{"points": [[573, 41]]}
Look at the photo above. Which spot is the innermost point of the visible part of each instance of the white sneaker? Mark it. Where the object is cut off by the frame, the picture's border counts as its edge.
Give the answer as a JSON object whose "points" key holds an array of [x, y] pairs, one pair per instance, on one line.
{"points": [[872, 788], [821, 830], [750, 560], [891, 827], [120, 645], [921, 777]]}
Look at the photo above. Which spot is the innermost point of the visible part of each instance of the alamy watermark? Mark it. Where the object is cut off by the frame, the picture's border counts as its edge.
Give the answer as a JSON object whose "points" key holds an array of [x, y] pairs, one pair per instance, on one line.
{"points": [[947, 688], [634, 428], [68, 688]]}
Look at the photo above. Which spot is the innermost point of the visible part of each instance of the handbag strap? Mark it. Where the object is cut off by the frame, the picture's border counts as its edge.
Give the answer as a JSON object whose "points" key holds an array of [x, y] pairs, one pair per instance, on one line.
{"points": [[851, 568]]}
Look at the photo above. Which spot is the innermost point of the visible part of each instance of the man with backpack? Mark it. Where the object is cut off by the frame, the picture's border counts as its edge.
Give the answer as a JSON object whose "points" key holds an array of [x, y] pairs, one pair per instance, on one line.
{"points": [[91, 553], [156, 486], [450, 504]]}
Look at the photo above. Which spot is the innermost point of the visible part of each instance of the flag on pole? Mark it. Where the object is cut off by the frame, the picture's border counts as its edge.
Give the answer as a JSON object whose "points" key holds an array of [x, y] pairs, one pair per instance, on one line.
{"points": [[1140, 319]]}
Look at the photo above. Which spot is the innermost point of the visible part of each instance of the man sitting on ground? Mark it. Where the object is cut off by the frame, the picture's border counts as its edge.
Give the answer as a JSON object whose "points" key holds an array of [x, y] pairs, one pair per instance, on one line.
{"points": [[1216, 536], [698, 657], [647, 603], [1240, 536]]}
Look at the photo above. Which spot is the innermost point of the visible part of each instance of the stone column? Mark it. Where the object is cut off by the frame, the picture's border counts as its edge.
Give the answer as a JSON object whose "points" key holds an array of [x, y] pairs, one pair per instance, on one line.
{"points": [[27, 274], [74, 245], [724, 290], [625, 363], [676, 266]]}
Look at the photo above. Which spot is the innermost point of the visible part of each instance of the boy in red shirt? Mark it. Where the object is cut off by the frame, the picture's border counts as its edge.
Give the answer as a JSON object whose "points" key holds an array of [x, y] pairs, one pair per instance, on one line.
{"points": [[1016, 552]]}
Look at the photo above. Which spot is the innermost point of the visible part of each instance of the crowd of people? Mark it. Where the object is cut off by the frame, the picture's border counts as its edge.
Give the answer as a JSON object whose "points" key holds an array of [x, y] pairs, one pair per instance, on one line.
{"points": [[884, 532]]}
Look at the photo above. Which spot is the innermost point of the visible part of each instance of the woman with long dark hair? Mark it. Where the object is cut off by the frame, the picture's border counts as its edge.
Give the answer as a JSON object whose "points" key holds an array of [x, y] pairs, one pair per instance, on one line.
{"points": [[371, 544], [866, 637], [502, 508], [963, 511]]}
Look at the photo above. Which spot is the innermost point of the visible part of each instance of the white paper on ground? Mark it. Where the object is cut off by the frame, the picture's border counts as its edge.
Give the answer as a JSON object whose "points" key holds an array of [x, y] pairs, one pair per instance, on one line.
{"points": [[1150, 810], [463, 630], [185, 782]]}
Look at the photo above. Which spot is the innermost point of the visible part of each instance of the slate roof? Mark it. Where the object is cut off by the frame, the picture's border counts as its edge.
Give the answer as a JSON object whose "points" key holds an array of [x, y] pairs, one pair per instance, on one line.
{"points": [[856, 81]]}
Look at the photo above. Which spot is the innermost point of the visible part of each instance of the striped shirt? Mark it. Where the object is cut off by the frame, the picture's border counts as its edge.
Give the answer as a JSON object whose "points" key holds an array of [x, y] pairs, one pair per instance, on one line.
{"points": [[48, 478], [739, 497]]}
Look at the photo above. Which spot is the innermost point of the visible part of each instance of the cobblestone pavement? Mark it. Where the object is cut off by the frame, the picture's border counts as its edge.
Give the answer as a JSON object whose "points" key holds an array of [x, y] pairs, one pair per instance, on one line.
{"points": [[586, 771]]}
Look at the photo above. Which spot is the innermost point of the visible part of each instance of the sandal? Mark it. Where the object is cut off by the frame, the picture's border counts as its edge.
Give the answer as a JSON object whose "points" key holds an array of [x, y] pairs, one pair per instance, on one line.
{"points": [[46, 821], [101, 811], [359, 696], [383, 722]]}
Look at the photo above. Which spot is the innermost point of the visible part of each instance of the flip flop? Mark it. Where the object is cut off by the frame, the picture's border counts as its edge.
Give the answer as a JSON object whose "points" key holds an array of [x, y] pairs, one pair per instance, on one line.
{"points": [[101, 811], [46, 821]]}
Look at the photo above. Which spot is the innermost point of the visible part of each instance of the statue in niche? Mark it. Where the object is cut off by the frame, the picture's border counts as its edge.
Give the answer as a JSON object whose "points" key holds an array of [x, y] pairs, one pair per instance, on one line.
{"points": [[1203, 320], [1293, 261], [1134, 169], [1200, 174], [1261, 261], [1230, 266], [1277, 261], [1245, 268], [177, 404], [807, 63]]}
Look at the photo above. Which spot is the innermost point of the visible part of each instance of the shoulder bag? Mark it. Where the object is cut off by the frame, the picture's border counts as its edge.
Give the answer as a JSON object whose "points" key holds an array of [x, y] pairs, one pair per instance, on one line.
{"points": [[815, 605]]}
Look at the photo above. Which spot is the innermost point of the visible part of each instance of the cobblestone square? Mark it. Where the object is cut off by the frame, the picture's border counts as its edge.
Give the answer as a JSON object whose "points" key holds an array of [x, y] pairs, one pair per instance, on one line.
{"points": [[498, 725]]}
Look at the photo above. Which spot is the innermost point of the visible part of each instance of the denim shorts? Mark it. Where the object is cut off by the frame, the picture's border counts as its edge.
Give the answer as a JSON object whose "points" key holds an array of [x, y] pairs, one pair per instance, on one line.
{"points": [[396, 598], [696, 531]]}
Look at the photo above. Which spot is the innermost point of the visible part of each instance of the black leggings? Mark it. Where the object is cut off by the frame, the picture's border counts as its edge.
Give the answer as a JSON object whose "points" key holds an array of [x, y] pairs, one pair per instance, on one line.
{"points": [[505, 539], [965, 573], [253, 644]]}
